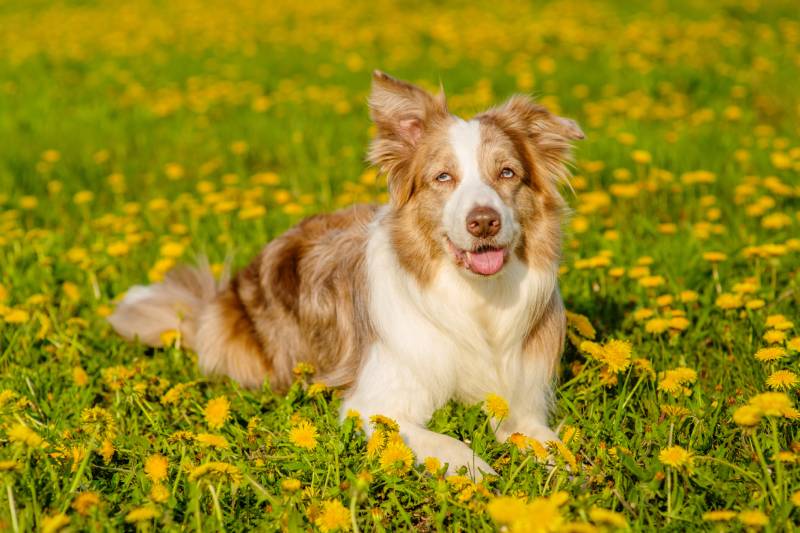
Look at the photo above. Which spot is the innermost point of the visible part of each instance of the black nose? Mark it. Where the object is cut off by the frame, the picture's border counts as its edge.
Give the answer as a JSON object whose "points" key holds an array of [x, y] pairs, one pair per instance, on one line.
{"points": [[483, 222]]}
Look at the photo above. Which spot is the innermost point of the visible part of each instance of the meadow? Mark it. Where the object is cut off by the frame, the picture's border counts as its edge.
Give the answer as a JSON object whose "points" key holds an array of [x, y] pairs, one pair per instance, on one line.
{"points": [[135, 135]]}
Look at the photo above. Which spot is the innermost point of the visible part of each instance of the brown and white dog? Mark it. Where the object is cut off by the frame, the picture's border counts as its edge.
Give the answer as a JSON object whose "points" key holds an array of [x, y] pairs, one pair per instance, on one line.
{"points": [[449, 291]]}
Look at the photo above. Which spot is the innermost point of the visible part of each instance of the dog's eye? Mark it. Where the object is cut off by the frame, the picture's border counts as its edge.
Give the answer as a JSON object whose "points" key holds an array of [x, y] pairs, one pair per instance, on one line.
{"points": [[506, 173], [444, 176]]}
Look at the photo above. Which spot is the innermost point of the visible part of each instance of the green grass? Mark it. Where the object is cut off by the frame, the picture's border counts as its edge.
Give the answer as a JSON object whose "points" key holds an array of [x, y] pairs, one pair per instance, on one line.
{"points": [[108, 97]]}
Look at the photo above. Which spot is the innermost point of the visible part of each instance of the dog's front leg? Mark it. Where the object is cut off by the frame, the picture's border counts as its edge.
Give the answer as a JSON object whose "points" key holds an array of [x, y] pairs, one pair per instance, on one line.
{"points": [[387, 388], [530, 394]]}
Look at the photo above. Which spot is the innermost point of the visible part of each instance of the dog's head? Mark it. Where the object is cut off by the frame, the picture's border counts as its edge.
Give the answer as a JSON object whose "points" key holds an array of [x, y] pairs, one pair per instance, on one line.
{"points": [[480, 192]]}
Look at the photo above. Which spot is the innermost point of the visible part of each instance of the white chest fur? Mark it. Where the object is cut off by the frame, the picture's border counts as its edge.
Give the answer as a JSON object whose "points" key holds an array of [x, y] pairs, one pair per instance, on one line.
{"points": [[460, 336]]}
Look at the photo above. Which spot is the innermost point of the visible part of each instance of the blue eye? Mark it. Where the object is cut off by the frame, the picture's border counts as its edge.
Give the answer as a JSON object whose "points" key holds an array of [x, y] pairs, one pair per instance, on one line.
{"points": [[506, 173], [444, 176]]}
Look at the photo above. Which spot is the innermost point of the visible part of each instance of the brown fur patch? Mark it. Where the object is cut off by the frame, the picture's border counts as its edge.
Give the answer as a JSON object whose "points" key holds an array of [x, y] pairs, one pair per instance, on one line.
{"points": [[546, 336], [305, 295]]}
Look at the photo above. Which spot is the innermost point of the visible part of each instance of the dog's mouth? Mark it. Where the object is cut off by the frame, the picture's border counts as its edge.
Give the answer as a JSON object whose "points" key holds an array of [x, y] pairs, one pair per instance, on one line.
{"points": [[485, 259]]}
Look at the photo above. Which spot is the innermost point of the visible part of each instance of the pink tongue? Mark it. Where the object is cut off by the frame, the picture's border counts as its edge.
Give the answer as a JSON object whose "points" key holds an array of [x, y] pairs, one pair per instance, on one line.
{"points": [[486, 263]]}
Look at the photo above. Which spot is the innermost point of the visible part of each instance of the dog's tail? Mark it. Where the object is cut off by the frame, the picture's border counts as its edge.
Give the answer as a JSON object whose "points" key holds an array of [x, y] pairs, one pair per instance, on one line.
{"points": [[207, 313], [176, 304]]}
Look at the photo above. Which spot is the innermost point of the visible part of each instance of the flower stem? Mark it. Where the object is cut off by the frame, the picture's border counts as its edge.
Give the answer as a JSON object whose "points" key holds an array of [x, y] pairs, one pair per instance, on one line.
{"points": [[12, 508]]}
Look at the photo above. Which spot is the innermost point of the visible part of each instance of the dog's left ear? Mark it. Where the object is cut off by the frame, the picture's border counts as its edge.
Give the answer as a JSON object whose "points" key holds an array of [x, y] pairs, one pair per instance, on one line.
{"points": [[402, 113], [549, 136]]}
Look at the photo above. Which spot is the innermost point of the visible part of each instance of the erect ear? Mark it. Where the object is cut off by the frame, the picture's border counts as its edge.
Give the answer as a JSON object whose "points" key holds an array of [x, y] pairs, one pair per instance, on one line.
{"points": [[549, 135], [402, 112]]}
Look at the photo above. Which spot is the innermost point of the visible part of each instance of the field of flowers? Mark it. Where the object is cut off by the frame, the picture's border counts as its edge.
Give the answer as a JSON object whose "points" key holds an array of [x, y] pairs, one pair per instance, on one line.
{"points": [[134, 135]]}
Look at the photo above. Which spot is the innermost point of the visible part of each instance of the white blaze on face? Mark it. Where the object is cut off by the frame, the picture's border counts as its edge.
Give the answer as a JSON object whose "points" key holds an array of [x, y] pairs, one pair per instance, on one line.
{"points": [[472, 190]]}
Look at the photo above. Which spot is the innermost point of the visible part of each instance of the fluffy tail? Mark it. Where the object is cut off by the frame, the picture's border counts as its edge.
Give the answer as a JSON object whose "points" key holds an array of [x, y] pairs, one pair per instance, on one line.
{"points": [[208, 314], [175, 304]]}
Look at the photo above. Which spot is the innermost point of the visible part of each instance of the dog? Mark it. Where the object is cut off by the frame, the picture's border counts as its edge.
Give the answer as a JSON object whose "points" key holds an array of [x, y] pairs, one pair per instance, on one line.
{"points": [[448, 291]]}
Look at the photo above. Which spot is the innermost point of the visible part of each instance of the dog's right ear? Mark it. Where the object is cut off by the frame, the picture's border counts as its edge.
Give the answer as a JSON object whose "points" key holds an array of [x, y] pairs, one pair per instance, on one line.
{"points": [[401, 113]]}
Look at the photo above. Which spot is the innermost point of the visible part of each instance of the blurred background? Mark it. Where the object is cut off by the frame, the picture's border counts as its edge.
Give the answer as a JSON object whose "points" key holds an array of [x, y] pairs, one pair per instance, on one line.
{"points": [[135, 134]]}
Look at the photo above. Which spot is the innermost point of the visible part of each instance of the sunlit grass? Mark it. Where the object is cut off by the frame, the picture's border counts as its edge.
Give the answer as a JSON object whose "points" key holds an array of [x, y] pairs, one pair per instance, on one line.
{"points": [[136, 135]]}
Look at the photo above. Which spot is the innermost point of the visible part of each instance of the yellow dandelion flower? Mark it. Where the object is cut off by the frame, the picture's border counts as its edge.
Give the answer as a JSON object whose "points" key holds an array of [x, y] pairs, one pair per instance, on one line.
{"points": [[290, 484], [617, 355], [565, 453], [774, 320], [538, 449], [496, 406], [172, 250], [9, 465], [304, 435], [755, 303], [159, 493], [98, 422], [396, 457], [642, 314], [773, 404], [675, 456], [782, 379], [728, 301], [316, 389], [83, 197], [656, 325], [215, 441], [155, 467], [334, 516], [107, 450], [24, 435], [16, 316], [174, 393], [170, 337], [376, 442], [54, 523], [649, 282], [216, 470], [142, 514], [786, 457], [721, 515], [688, 296], [569, 433], [770, 354], [795, 498], [118, 249], [753, 518], [432, 465], [616, 272], [747, 416], [675, 381], [521, 516], [774, 336], [714, 257], [665, 300], [384, 422], [80, 377], [641, 157], [679, 323], [607, 517], [794, 344], [506, 509], [592, 349], [85, 502], [252, 212], [303, 369], [216, 412], [674, 411], [581, 325]]}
